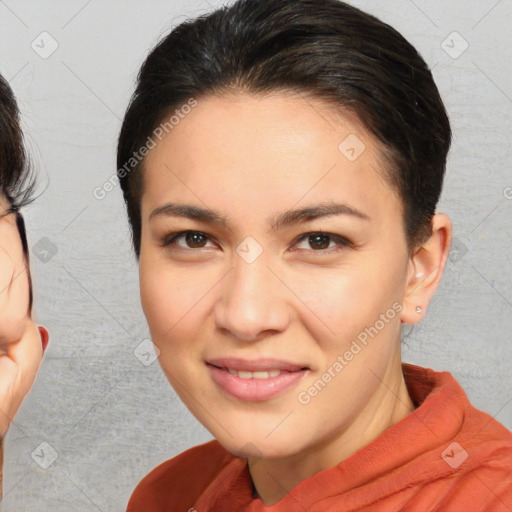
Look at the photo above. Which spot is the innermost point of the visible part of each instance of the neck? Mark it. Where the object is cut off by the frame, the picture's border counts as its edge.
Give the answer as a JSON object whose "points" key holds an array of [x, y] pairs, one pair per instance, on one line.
{"points": [[273, 479]]}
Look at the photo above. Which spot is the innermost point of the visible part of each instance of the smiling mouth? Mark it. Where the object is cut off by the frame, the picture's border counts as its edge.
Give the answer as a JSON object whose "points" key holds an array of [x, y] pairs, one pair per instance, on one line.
{"points": [[265, 374], [257, 379]]}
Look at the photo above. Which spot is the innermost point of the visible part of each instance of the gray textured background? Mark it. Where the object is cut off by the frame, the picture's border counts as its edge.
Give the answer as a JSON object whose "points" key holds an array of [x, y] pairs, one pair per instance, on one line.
{"points": [[110, 418]]}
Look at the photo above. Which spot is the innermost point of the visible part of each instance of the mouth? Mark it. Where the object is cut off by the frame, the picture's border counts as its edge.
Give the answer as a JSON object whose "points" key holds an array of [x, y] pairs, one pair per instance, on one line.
{"points": [[242, 374], [259, 379]]}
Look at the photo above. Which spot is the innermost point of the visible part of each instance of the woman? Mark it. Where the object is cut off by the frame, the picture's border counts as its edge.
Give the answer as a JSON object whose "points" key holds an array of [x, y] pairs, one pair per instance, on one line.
{"points": [[22, 342], [281, 162]]}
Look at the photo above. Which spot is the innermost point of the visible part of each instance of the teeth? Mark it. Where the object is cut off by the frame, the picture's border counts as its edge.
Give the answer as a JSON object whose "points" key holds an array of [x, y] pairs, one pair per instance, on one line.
{"points": [[242, 374]]}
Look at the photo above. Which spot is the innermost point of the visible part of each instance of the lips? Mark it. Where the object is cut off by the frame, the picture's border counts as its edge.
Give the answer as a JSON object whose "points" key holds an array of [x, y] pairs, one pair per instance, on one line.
{"points": [[258, 379], [264, 364]]}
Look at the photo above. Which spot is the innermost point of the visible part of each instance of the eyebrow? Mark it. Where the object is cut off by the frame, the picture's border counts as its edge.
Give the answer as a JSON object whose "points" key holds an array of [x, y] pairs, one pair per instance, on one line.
{"points": [[290, 217]]}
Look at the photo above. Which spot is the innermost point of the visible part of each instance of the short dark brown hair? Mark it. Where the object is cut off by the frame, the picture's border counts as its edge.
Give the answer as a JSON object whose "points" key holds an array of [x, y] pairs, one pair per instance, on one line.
{"points": [[324, 48], [16, 179]]}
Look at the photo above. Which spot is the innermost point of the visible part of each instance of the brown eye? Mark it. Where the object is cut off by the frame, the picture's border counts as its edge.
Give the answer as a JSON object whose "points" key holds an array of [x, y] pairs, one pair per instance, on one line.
{"points": [[321, 242], [193, 240]]}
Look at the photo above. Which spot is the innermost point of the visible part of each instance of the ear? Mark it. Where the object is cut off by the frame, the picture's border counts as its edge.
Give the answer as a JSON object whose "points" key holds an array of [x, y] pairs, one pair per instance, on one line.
{"points": [[425, 270], [45, 336]]}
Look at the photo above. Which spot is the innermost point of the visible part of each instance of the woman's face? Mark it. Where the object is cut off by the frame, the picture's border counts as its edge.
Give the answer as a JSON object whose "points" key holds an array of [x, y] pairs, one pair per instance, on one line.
{"points": [[254, 287], [21, 341]]}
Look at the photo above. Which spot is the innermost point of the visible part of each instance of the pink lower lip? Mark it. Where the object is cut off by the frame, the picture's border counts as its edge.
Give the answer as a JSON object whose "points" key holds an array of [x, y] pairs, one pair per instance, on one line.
{"points": [[254, 389]]}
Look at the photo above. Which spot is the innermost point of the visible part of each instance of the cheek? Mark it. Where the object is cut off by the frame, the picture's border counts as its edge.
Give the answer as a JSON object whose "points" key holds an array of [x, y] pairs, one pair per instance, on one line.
{"points": [[14, 296], [342, 296], [347, 299], [33, 338], [164, 311], [171, 301], [159, 299]]}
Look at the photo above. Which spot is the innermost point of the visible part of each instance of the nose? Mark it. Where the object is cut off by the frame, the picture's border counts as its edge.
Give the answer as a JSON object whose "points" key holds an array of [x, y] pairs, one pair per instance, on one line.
{"points": [[252, 302]]}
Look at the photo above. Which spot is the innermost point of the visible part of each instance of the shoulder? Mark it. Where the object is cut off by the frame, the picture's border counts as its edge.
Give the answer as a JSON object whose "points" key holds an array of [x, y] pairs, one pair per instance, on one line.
{"points": [[480, 457], [175, 484], [470, 464], [483, 482], [489, 444]]}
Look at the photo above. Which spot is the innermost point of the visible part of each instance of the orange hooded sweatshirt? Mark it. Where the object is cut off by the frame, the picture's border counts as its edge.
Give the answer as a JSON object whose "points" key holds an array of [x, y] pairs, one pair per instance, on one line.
{"points": [[446, 456]]}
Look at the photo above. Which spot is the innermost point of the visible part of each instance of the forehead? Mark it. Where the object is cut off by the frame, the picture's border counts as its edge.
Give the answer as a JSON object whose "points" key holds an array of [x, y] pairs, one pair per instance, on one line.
{"points": [[265, 149]]}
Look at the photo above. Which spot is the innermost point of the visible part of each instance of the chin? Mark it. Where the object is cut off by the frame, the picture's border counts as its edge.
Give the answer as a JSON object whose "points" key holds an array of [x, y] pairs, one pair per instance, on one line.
{"points": [[257, 446]]}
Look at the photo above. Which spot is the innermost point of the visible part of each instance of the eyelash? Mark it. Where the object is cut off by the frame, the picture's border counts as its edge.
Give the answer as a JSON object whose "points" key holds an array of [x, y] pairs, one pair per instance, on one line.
{"points": [[341, 241]]}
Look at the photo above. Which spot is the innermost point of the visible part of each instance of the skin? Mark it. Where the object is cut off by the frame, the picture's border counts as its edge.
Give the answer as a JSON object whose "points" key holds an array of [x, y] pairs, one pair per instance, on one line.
{"points": [[21, 340], [250, 158]]}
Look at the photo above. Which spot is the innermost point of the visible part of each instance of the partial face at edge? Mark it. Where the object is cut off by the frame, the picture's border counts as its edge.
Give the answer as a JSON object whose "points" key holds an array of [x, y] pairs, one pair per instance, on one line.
{"points": [[21, 341], [305, 299]]}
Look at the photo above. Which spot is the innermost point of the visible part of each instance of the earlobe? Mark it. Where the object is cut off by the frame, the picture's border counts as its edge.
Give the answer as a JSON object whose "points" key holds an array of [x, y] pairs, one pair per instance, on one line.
{"points": [[426, 267], [45, 336]]}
